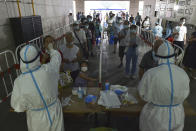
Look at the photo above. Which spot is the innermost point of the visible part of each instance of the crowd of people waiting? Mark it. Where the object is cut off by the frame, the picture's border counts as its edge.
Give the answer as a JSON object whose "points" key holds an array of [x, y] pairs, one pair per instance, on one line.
{"points": [[163, 84]]}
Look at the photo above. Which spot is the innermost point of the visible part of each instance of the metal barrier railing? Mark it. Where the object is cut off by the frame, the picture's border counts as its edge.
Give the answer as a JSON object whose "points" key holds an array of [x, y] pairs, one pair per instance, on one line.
{"points": [[149, 38], [7, 84], [146, 35], [8, 72], [38, 42]]}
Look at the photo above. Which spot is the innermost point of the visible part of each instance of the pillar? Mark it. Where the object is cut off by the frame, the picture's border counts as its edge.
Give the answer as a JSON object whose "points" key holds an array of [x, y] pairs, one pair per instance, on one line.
{"points": [[134, 7], [79, 6]]}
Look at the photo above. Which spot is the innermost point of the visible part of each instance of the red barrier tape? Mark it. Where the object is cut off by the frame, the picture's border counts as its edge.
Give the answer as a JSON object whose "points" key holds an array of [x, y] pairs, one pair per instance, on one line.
{"points": [[17, 66], [2, 74]]}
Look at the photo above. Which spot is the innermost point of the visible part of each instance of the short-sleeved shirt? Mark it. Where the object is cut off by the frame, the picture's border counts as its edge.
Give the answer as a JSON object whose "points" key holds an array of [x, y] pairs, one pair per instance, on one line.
{"points": [[132, 39], [81, 35], [148, 62], [146, 24], [182, 30], [117, 29], [138, 18], [71, 54], [123, 32]]}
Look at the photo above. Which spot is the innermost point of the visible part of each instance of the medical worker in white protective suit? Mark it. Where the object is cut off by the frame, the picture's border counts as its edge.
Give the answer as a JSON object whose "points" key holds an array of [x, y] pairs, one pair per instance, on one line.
{"points": [[35, 90], [158, 30], [164, 88]]}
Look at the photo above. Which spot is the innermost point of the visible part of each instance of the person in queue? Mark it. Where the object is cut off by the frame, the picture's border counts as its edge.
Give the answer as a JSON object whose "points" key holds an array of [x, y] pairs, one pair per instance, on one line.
{"points": [[71, 19], [158, 30], [71, 55], [122, 43], [117, 27], [132, 40], [36, 90], [98, 29], [110, 29], [92, 28], [44, 56], [131, 19], [179, 34], [190, 55], [168, 32], [127, 16], [89, 38], [80, 39], [83, 80], [138, 19], [146, 23], [149, 60], [164, 88]]}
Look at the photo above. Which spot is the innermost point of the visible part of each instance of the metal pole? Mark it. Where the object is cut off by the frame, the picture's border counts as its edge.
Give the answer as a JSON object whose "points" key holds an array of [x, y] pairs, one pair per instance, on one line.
{"points": [[100, 65], [33, 7], [19, 11]]}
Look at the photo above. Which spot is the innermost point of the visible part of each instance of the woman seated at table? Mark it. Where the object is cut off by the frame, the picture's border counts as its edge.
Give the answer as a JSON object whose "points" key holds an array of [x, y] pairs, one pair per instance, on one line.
{"points": [[83, 80]]}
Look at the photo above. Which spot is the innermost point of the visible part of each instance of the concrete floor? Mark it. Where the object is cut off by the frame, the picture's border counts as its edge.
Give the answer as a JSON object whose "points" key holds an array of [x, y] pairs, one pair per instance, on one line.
{"points": [[17, 122]]}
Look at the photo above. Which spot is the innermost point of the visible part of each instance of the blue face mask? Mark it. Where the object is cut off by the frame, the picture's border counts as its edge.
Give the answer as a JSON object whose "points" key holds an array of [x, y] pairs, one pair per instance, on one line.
{"points": [[156, 59]]}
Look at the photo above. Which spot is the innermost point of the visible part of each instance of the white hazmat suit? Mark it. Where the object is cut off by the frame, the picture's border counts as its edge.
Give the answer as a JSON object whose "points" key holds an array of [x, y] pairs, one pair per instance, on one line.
{"points": [[164, 88], [36, 91], [158, 30]]}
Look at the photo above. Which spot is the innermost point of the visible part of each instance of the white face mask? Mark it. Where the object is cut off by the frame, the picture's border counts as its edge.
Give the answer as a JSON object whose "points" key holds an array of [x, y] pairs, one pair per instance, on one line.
{"points": [[84, 69]]}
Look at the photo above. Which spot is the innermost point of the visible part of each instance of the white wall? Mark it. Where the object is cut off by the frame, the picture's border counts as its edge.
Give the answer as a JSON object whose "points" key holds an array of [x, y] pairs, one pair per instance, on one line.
{"points": [[53, 12], [149, 10]]}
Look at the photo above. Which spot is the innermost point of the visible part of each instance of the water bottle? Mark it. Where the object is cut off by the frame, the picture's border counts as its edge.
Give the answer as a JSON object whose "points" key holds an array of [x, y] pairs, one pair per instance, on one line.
{"points": [[107, 85], [80, 93]]}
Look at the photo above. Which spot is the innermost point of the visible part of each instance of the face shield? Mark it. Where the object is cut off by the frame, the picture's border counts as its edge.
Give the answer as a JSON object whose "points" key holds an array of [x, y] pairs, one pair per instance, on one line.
{"points": [[29, 58], [165, 52]]}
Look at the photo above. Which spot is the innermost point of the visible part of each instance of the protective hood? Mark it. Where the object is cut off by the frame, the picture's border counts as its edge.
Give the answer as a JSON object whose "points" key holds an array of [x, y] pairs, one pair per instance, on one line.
{"points": [[29, 54], [166, 50]]}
